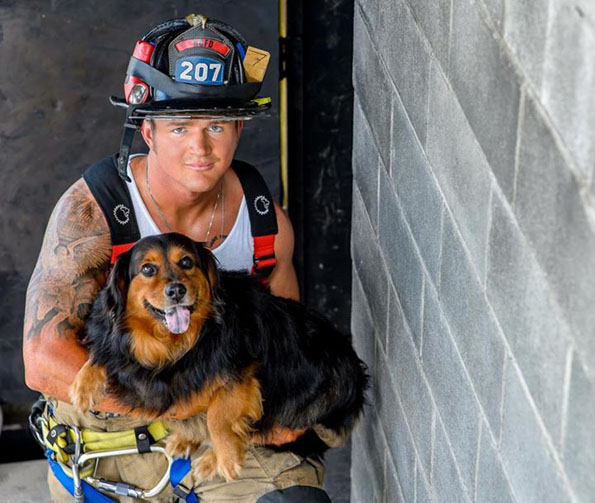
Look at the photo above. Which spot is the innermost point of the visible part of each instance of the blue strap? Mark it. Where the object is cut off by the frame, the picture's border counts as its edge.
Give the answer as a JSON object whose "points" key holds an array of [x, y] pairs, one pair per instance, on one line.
{"points": [[91, 494], [242, 52], [179, 469]]}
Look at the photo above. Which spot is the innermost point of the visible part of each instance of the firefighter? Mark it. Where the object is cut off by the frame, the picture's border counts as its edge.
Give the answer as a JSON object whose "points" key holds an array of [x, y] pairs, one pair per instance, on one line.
{"points": [[190, 85]]}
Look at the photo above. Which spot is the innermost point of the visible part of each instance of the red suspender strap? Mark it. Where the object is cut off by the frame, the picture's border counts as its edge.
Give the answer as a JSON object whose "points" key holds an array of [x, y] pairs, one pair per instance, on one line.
{"points": [[264, 254], [117, 250]]}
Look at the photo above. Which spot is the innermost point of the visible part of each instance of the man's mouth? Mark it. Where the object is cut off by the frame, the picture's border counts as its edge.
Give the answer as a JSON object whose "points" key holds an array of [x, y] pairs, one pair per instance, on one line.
{"points": [[200, 166], [175, 318]]}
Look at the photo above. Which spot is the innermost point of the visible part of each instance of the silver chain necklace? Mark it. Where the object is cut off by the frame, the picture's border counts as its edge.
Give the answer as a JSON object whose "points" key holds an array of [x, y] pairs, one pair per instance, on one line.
{"points": [[162, 216]]}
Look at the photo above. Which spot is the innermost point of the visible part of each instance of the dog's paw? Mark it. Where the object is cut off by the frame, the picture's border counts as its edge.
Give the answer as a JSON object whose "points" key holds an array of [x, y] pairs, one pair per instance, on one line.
{"points": [[205, 467], [229, 467], [81, 403], [228, 464], [82, 399], [178, 446], [209, 465], [86, 393]]}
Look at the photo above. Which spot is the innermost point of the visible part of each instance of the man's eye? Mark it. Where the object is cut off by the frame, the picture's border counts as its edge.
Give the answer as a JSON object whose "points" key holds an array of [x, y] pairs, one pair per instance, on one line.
{"points": [[186, 263], [215, 128], [178, 130], [148, 270]]}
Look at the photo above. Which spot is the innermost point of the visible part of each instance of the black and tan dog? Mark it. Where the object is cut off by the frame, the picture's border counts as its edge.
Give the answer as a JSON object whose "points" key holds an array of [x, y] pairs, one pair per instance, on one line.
{"points": [[169, 329]]}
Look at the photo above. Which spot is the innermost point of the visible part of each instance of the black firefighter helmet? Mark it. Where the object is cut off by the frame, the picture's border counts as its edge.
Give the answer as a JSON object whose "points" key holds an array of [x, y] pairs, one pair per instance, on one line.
{"points": [[191, 65]]}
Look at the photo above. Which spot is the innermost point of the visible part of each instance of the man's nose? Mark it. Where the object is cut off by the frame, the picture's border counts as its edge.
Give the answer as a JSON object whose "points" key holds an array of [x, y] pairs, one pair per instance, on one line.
{"points": [[175, 291], [200, 143]]}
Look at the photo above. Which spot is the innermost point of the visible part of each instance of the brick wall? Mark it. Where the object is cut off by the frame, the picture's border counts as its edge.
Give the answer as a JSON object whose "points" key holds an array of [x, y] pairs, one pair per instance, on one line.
{"points": [[473, 246]]}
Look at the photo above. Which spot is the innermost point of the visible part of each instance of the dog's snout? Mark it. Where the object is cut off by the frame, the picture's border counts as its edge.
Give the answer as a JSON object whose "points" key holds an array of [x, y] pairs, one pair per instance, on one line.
{"points": [[175, 291]]}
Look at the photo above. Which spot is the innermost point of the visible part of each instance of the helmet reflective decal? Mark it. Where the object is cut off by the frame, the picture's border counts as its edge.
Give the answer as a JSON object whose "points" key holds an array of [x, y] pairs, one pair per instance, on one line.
{"points": [[215, 45], [199, 70]]}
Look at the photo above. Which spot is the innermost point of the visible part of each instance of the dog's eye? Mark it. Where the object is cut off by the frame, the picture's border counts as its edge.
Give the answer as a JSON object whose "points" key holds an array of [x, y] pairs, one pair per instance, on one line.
{"points": [[148, 270], [186, 263]]}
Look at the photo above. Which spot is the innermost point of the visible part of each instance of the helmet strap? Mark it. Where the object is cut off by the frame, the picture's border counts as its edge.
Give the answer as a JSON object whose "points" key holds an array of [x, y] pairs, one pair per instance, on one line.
{"points": [[126, 144]]}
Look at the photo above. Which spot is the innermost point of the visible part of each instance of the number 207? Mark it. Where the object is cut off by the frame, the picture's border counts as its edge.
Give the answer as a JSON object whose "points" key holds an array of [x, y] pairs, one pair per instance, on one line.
{"points": [[201, 71]]}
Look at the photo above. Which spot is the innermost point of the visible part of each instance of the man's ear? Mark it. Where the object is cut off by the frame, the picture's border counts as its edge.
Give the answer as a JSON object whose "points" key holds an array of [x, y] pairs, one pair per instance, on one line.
{"points": [[147, 132], [115, 292]]}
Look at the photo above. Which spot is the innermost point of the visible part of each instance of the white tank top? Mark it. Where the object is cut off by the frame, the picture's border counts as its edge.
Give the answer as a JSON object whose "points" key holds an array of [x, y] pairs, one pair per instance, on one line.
{"points": [[234, 254]]}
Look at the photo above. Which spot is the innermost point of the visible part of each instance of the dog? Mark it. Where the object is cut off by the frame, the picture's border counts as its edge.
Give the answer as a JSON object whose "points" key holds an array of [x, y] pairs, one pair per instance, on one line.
{"points": [[169, 329]]}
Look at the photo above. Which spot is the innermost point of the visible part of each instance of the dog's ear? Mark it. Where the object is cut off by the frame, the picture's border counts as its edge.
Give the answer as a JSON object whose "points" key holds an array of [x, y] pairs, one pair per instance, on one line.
{"points": [[115, 292], [208, 263]]}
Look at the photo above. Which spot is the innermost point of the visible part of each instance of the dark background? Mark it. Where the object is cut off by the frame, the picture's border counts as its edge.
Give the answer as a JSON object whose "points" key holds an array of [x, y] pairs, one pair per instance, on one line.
{"points": [[61, 59], [320, 49]]}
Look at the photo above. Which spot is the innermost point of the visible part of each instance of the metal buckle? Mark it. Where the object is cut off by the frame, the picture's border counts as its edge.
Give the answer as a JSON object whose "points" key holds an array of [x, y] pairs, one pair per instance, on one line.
{"points": [[131, 491], [79, 497], [104, 416], [37, 421], [181, 491]]}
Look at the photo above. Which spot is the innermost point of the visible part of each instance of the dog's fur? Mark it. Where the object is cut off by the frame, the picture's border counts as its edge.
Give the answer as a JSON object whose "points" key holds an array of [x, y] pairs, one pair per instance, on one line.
{"points": [[251, 360]]}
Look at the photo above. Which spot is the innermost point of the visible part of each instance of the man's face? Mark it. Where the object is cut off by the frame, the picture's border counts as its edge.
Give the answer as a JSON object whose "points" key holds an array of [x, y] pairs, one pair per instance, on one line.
{"points": [[193, 152]]}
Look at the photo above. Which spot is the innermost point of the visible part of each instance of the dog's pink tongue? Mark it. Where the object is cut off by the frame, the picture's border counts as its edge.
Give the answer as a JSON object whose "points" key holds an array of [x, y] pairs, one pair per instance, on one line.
{"points": [[177, 319]]}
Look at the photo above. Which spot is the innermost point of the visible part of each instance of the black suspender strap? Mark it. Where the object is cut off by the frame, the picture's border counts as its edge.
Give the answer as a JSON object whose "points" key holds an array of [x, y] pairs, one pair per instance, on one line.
{"points": [[111, 193], [263, 218]]}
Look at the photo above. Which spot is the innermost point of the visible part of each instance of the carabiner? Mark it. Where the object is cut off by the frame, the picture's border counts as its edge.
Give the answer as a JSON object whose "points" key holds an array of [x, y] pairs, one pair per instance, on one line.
{"points": [[79, 497]]}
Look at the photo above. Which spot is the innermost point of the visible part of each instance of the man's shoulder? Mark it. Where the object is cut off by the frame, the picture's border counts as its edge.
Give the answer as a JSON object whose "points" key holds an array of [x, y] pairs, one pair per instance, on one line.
{"points": [[78, 225], [77, 201], [106, 168]]}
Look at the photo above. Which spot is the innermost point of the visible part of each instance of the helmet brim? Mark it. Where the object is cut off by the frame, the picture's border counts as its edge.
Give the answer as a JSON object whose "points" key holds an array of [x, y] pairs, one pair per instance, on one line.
{"points": [[187, 107]]}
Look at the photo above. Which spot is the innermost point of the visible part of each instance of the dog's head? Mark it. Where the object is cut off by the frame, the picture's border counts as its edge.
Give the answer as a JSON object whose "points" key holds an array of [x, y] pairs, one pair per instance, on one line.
{"points": [[162, 290]]}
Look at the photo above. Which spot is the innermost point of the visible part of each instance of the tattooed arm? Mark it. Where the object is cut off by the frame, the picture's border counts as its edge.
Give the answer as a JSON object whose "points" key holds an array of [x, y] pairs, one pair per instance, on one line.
{"points": [[68, 276]]}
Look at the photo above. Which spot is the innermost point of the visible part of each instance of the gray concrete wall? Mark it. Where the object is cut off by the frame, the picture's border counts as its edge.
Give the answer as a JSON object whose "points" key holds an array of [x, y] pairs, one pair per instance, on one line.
{"points": [[473, 246]]}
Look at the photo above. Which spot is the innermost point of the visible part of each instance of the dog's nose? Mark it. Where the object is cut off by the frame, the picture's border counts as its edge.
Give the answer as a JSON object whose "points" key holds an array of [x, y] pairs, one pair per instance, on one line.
{"points": [[175, 291]]}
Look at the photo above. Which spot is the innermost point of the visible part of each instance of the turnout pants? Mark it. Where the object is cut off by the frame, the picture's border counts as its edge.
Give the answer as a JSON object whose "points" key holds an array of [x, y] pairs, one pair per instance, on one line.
{"points": [[267, 477]]}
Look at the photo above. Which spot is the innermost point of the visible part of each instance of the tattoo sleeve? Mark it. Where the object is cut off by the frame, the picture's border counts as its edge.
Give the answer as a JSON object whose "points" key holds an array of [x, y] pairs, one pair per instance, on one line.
{"points": [[70, 269]]}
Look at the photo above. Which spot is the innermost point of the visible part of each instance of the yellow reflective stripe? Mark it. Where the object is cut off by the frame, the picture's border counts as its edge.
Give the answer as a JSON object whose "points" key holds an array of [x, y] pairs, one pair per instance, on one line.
{"points": [[158, 430], [262, 101], [100, 440], [105, 441], [95, 441]]}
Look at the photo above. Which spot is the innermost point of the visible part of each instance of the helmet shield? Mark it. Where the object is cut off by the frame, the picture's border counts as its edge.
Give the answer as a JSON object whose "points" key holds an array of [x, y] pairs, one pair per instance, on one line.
{"points": [[201, 56]]}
